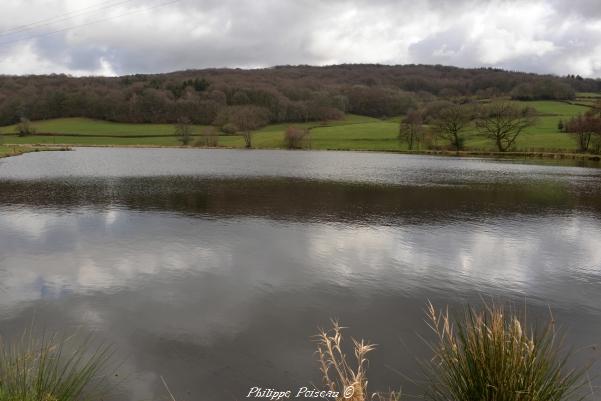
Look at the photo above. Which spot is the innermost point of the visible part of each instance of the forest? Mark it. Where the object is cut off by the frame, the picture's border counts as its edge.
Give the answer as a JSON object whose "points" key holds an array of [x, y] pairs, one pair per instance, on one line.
{"points": [[272, 95]]}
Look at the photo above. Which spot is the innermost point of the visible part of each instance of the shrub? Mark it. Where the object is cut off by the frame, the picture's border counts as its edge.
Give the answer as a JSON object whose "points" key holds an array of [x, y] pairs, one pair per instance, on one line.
{"points": [[24, 128], [492, 355], [183, 131], [229, 128], [296, 138]]}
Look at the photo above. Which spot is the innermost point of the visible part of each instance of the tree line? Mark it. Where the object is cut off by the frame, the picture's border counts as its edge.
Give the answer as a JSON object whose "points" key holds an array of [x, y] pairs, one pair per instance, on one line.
{"points": [[279, 94], [500, 121]]}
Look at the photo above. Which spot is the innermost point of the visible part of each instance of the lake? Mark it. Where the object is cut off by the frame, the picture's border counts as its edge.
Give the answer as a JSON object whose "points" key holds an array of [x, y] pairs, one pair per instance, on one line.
{"points": [[214, 268]]}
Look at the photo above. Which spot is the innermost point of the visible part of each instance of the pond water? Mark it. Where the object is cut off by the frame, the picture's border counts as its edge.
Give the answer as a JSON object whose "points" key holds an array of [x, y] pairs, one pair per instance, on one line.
{"points": [[214, 268]]}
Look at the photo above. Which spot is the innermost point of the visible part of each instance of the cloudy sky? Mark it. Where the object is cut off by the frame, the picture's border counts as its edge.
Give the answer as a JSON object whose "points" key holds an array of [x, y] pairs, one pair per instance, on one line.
{"points": [[115, 37]]}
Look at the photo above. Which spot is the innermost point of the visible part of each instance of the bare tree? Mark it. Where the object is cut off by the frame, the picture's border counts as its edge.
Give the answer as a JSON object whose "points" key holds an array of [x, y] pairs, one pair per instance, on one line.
{"points": [[451, 123], [183, 130], [247, 119], [503, 122], [583, 127], [208, 137], [410, 129]]}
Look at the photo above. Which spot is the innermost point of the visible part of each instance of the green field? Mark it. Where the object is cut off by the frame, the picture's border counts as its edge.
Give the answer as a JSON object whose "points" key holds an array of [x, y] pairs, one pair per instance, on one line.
{"points": [[5, 151], [544, 135], [354, 132]]}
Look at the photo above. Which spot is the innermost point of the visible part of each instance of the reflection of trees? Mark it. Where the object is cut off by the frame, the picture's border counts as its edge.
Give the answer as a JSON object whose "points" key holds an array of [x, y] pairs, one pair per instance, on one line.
{"points": [[299, 199]]}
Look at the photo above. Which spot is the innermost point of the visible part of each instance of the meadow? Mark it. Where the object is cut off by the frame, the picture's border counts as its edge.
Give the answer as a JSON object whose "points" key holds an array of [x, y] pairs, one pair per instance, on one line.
{"points": [[354, 132], [5, 151]]}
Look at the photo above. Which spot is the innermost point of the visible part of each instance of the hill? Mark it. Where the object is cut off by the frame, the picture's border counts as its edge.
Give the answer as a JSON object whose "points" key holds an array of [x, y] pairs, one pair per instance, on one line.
{"points": [[282, 94]]}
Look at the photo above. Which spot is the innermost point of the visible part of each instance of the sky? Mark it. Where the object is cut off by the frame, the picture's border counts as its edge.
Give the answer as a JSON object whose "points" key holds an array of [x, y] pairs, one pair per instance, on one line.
{"points": [[118, 37]]}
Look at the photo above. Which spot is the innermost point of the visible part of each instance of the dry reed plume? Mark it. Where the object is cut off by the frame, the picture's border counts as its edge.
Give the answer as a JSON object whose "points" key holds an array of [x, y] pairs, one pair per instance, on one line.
{"points": [[340, 375]]}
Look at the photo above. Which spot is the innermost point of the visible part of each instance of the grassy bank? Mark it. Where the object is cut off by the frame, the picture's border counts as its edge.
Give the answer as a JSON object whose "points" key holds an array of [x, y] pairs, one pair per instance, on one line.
{"points": [[352, 133], [7, 151], [15, 150]]}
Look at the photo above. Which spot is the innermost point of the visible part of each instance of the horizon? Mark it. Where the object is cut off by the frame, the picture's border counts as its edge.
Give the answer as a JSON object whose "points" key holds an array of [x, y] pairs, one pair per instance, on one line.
{"points": [[126, 37], [300, 66]]}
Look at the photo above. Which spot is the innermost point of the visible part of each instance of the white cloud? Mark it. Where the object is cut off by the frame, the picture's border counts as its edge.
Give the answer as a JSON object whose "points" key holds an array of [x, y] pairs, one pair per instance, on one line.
{"points": [[24, 59], [157, 36]]}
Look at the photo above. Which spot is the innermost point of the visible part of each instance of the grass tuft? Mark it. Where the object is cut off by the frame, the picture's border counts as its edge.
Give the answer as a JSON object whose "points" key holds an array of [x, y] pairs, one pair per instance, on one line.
{"points": [[492, 355], [48, 368]]}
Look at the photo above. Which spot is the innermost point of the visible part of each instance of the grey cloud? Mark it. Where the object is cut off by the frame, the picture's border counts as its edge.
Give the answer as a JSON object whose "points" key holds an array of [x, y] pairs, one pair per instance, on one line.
{"points": [[55, 48], [446, 47], [211, 33], [589, 9]]}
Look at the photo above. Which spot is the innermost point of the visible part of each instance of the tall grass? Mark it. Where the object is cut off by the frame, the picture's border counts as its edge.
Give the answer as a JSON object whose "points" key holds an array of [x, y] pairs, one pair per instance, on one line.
{"points": [[492, 355], [340, 375], [489, 355], [48, 368]]}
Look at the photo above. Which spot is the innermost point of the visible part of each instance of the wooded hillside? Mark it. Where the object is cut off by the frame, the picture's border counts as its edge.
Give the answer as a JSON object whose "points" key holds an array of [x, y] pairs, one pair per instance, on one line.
{"points": [[280, 94]]}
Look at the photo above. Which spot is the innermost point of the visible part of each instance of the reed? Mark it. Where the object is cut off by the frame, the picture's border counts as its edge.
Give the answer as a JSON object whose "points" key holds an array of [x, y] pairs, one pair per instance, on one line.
{"points": [[348, 378], [48, 368], [493, 355]]}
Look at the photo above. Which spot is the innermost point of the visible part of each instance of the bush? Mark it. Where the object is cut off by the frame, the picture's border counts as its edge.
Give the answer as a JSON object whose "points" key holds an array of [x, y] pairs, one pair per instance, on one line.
{"points": [[24, 128], [229, 129], [492, 355], [296, 138], [183, 131]]}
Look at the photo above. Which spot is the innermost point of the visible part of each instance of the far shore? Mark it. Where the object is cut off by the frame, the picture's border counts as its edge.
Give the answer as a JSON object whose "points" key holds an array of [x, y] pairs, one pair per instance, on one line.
{"points": [[15, 150]]}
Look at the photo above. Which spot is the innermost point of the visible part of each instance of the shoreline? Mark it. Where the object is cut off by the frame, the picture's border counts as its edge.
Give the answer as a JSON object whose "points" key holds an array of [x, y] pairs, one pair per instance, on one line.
{"points": [[450, 153]]}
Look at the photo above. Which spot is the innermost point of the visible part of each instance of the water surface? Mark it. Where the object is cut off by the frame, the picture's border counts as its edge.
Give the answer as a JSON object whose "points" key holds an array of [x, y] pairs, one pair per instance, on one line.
{"points": [[214, 268]]}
